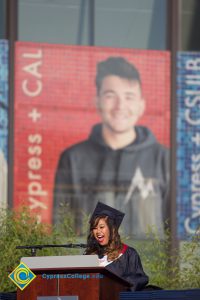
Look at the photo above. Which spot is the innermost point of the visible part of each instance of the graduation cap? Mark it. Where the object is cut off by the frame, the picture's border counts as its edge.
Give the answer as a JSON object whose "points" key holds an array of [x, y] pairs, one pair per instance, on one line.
{"points": [[105, 210]]}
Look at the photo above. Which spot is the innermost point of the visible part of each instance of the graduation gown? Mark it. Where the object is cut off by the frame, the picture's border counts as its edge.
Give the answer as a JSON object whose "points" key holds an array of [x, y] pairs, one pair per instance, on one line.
{"points": [[129, 267]]}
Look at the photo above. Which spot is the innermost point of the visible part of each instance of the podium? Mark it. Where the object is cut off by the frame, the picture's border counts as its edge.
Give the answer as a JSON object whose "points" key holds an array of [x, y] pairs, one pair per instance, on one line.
{"points": [[59, 277]]}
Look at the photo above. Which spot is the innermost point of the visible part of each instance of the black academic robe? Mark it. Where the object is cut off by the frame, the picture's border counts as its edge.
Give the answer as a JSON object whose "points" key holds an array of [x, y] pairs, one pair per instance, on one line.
{"points": [[129, 267]]}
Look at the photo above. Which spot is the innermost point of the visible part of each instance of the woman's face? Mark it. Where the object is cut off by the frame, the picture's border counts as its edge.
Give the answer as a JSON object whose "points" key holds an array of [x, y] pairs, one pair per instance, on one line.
{"points": [[101, 232]]}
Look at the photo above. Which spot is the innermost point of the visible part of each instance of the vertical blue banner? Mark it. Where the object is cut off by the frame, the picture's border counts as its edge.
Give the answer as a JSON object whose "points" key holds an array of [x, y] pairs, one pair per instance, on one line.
{"points": [[188, 143], [3, 121]]}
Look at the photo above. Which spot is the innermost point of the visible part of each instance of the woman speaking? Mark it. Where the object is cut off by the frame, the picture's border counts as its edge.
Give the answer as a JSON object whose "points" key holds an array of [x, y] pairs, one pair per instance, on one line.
{"points": [[104, 240]]}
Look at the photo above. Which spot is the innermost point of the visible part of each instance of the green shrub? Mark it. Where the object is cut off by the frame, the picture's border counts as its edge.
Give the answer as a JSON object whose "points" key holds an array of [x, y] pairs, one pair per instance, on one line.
{"points": [[180, 270], [20, 228], [190, 263], [177, 270]]}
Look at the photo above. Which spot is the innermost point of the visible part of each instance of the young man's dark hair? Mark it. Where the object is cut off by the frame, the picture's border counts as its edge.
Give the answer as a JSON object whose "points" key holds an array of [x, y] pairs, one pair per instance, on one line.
{"points": [[117, 66]]}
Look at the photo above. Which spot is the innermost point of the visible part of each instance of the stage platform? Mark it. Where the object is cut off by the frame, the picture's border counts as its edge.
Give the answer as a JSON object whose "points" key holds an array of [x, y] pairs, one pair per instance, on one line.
{"points": [[193, 294]]}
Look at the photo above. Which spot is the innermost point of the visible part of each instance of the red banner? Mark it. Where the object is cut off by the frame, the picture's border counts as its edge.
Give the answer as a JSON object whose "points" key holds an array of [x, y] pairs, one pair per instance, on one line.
{"points": [[55, 108]]}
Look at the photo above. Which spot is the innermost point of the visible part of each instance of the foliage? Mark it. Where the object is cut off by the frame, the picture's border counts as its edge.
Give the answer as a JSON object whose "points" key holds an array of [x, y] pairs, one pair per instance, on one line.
{"points": [[20, 228], [179, 269], [190, 263]]}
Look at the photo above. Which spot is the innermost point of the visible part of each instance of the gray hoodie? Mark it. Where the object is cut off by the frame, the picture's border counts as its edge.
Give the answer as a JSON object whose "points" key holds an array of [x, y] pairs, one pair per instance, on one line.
{"points": [[134, 179]]}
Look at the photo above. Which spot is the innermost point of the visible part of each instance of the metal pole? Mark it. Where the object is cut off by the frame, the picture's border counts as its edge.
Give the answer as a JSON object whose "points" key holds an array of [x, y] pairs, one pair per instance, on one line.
{"points": [[174, 44], [91, 23], [81, 22], [11, 35]]}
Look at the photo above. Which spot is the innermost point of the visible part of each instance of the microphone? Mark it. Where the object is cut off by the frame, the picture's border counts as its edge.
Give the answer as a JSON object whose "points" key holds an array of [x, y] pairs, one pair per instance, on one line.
{"points": [[33, 248], [100, 249]]}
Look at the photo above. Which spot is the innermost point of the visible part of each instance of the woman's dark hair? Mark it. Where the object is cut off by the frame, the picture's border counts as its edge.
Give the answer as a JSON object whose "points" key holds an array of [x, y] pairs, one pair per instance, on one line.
{"points": [[114, 245]]}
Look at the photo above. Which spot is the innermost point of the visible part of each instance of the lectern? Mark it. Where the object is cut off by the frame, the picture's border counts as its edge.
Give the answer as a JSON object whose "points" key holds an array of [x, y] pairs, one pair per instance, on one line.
{"points": [[80, 276]]}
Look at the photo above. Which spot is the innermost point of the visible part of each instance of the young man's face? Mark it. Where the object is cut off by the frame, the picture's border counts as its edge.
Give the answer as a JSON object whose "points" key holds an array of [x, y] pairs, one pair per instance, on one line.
{"points": [[120, 104]]}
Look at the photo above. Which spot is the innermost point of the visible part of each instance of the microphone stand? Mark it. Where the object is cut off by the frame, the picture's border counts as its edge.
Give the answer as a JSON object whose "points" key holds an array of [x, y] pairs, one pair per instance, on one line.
{"points": [[34, 248]]}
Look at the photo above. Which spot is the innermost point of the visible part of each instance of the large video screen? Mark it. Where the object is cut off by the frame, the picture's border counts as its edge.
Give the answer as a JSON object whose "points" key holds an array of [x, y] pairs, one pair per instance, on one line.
{"points": [[92, 124]]}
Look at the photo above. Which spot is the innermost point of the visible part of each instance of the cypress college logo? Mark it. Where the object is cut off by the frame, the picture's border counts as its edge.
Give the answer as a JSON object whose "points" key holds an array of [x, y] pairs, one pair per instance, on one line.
{"points": [[22, 276]]}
